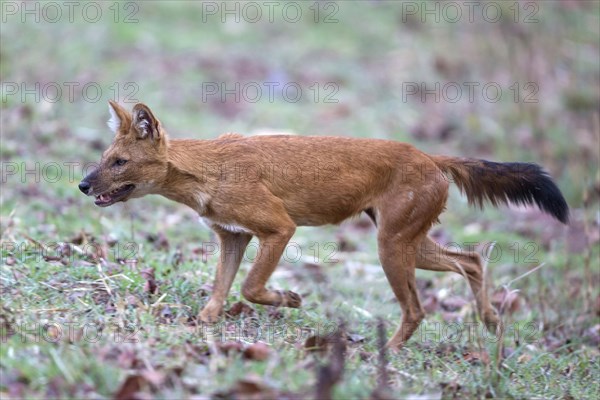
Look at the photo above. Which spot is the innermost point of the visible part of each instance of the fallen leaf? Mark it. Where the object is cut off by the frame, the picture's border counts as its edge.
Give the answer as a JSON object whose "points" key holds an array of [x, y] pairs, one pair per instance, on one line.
{"points": [[257, 351], [593, 335], [453, 303], [355, 338], [205, 289], [524, 358], [230, 347], [156, 378], [158, 240], [249, 388], [315, 271], [344, 245], [477, 357], [166, 315], [316, 344], [430, 304], [240, 308], [150, 285], [130, 387], [506, 302], [450, 390]]}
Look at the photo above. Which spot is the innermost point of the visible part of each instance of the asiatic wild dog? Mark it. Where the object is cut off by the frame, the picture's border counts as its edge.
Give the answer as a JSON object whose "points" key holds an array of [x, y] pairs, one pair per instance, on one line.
{"points": [[266, 186]]}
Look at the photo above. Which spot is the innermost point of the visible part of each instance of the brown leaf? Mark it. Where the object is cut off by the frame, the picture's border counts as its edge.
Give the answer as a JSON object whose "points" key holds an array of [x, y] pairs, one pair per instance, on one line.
{"points": [[275, 313], [257, 351], [450, 390], [249, 388], [453, 303], [240, 308], [150, 285], [205, 289], [430, 304], [315, 272], [159, 241], [477, 357], [127, 359], [52, 258], [177, 258], [506, 302], [316, 344], [230, 347], [344, 245], [524, 358], [132, 300], [130, 387], [593, 335], [156, 378], [81, 238], [166, 315]]}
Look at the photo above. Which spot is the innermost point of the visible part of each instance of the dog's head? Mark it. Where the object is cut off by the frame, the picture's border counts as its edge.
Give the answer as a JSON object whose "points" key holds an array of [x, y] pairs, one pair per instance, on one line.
{"points": [[135, 163]]}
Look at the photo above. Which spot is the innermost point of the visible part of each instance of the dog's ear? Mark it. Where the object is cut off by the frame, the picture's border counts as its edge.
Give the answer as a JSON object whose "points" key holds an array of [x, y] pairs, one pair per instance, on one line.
{"points": [[144, 123], [118, 116]]}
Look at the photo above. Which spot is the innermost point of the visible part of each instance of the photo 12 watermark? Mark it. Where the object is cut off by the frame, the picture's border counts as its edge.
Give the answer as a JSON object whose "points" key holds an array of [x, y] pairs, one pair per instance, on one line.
{"points": [[453, 12], [315, 252], [252, 330], [470, 91], [68, 91], [254, 92], [53, 12], [253, 12]]}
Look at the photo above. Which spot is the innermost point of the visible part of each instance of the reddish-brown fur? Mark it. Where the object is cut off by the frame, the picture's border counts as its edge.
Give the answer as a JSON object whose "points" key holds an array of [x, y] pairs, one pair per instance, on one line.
{"points": [[266, 186]]}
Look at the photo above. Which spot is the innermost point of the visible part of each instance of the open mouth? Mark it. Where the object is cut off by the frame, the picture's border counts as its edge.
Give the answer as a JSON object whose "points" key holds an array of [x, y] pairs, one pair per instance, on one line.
{"points": [[106, 199]]}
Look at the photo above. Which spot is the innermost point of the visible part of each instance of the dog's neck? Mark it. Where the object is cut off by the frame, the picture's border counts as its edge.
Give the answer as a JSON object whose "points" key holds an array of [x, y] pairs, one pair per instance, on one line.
{"points": [[191, 177]]}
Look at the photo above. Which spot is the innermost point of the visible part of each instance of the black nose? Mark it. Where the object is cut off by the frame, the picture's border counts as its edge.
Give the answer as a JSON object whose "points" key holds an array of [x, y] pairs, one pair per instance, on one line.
{"points": [[84, 187]]}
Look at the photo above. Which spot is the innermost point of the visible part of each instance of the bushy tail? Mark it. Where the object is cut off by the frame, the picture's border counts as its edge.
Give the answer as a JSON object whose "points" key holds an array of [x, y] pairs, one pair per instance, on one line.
{"points": [[503, 183]]}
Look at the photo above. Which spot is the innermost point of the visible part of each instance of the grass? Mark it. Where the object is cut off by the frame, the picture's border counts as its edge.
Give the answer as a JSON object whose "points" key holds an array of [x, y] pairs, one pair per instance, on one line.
{"points": [[69, 313]]}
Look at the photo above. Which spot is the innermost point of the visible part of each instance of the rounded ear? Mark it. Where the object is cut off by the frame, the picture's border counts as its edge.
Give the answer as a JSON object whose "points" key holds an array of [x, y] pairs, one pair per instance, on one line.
{"points": [[118, 116], [145, 123]]}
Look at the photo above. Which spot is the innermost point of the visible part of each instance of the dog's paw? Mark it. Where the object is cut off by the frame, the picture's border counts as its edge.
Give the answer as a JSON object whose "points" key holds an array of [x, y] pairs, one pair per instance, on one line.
{"points": [[209, 315], [394, 345], [290, 299]]}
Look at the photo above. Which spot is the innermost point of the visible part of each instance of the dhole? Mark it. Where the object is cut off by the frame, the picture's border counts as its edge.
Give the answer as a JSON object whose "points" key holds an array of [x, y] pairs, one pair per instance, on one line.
{"points": [[266, 186]]}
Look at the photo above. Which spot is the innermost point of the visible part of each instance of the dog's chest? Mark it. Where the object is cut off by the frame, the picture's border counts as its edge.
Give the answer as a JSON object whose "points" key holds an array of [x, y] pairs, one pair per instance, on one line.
{"points": [[231, 227]]}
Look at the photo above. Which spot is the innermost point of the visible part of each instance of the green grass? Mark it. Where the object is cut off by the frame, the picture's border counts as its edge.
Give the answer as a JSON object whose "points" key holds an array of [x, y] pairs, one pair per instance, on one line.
{"points": [[551, 347]]}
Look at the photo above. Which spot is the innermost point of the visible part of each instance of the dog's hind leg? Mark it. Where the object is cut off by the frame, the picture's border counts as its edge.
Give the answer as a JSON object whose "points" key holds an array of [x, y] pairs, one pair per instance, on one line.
{"points": [[433, 257], [405, 214]]}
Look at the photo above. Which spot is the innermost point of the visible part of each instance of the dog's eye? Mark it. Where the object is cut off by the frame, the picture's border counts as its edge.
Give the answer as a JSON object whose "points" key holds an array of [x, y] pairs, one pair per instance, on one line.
{"points": [[120, 162]]}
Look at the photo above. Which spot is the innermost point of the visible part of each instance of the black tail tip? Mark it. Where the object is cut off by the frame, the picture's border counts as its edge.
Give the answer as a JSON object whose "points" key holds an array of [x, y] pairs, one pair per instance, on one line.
{"points": [[563, 214], [550, 199]]}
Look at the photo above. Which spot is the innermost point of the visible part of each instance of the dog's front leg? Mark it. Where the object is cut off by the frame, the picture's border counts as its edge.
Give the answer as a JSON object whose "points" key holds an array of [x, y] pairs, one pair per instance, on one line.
{"points": [[270, 250], [232, 247]]}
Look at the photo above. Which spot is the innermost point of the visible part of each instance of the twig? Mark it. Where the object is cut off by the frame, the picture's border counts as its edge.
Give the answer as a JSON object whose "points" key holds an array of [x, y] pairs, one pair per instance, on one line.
{"points": [[524, 275], [157, 302], [103, 279], [329, 375]]}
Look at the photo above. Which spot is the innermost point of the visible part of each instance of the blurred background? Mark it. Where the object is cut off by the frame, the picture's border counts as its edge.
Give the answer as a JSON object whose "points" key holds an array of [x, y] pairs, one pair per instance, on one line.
{"points": [[504, 81]]}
